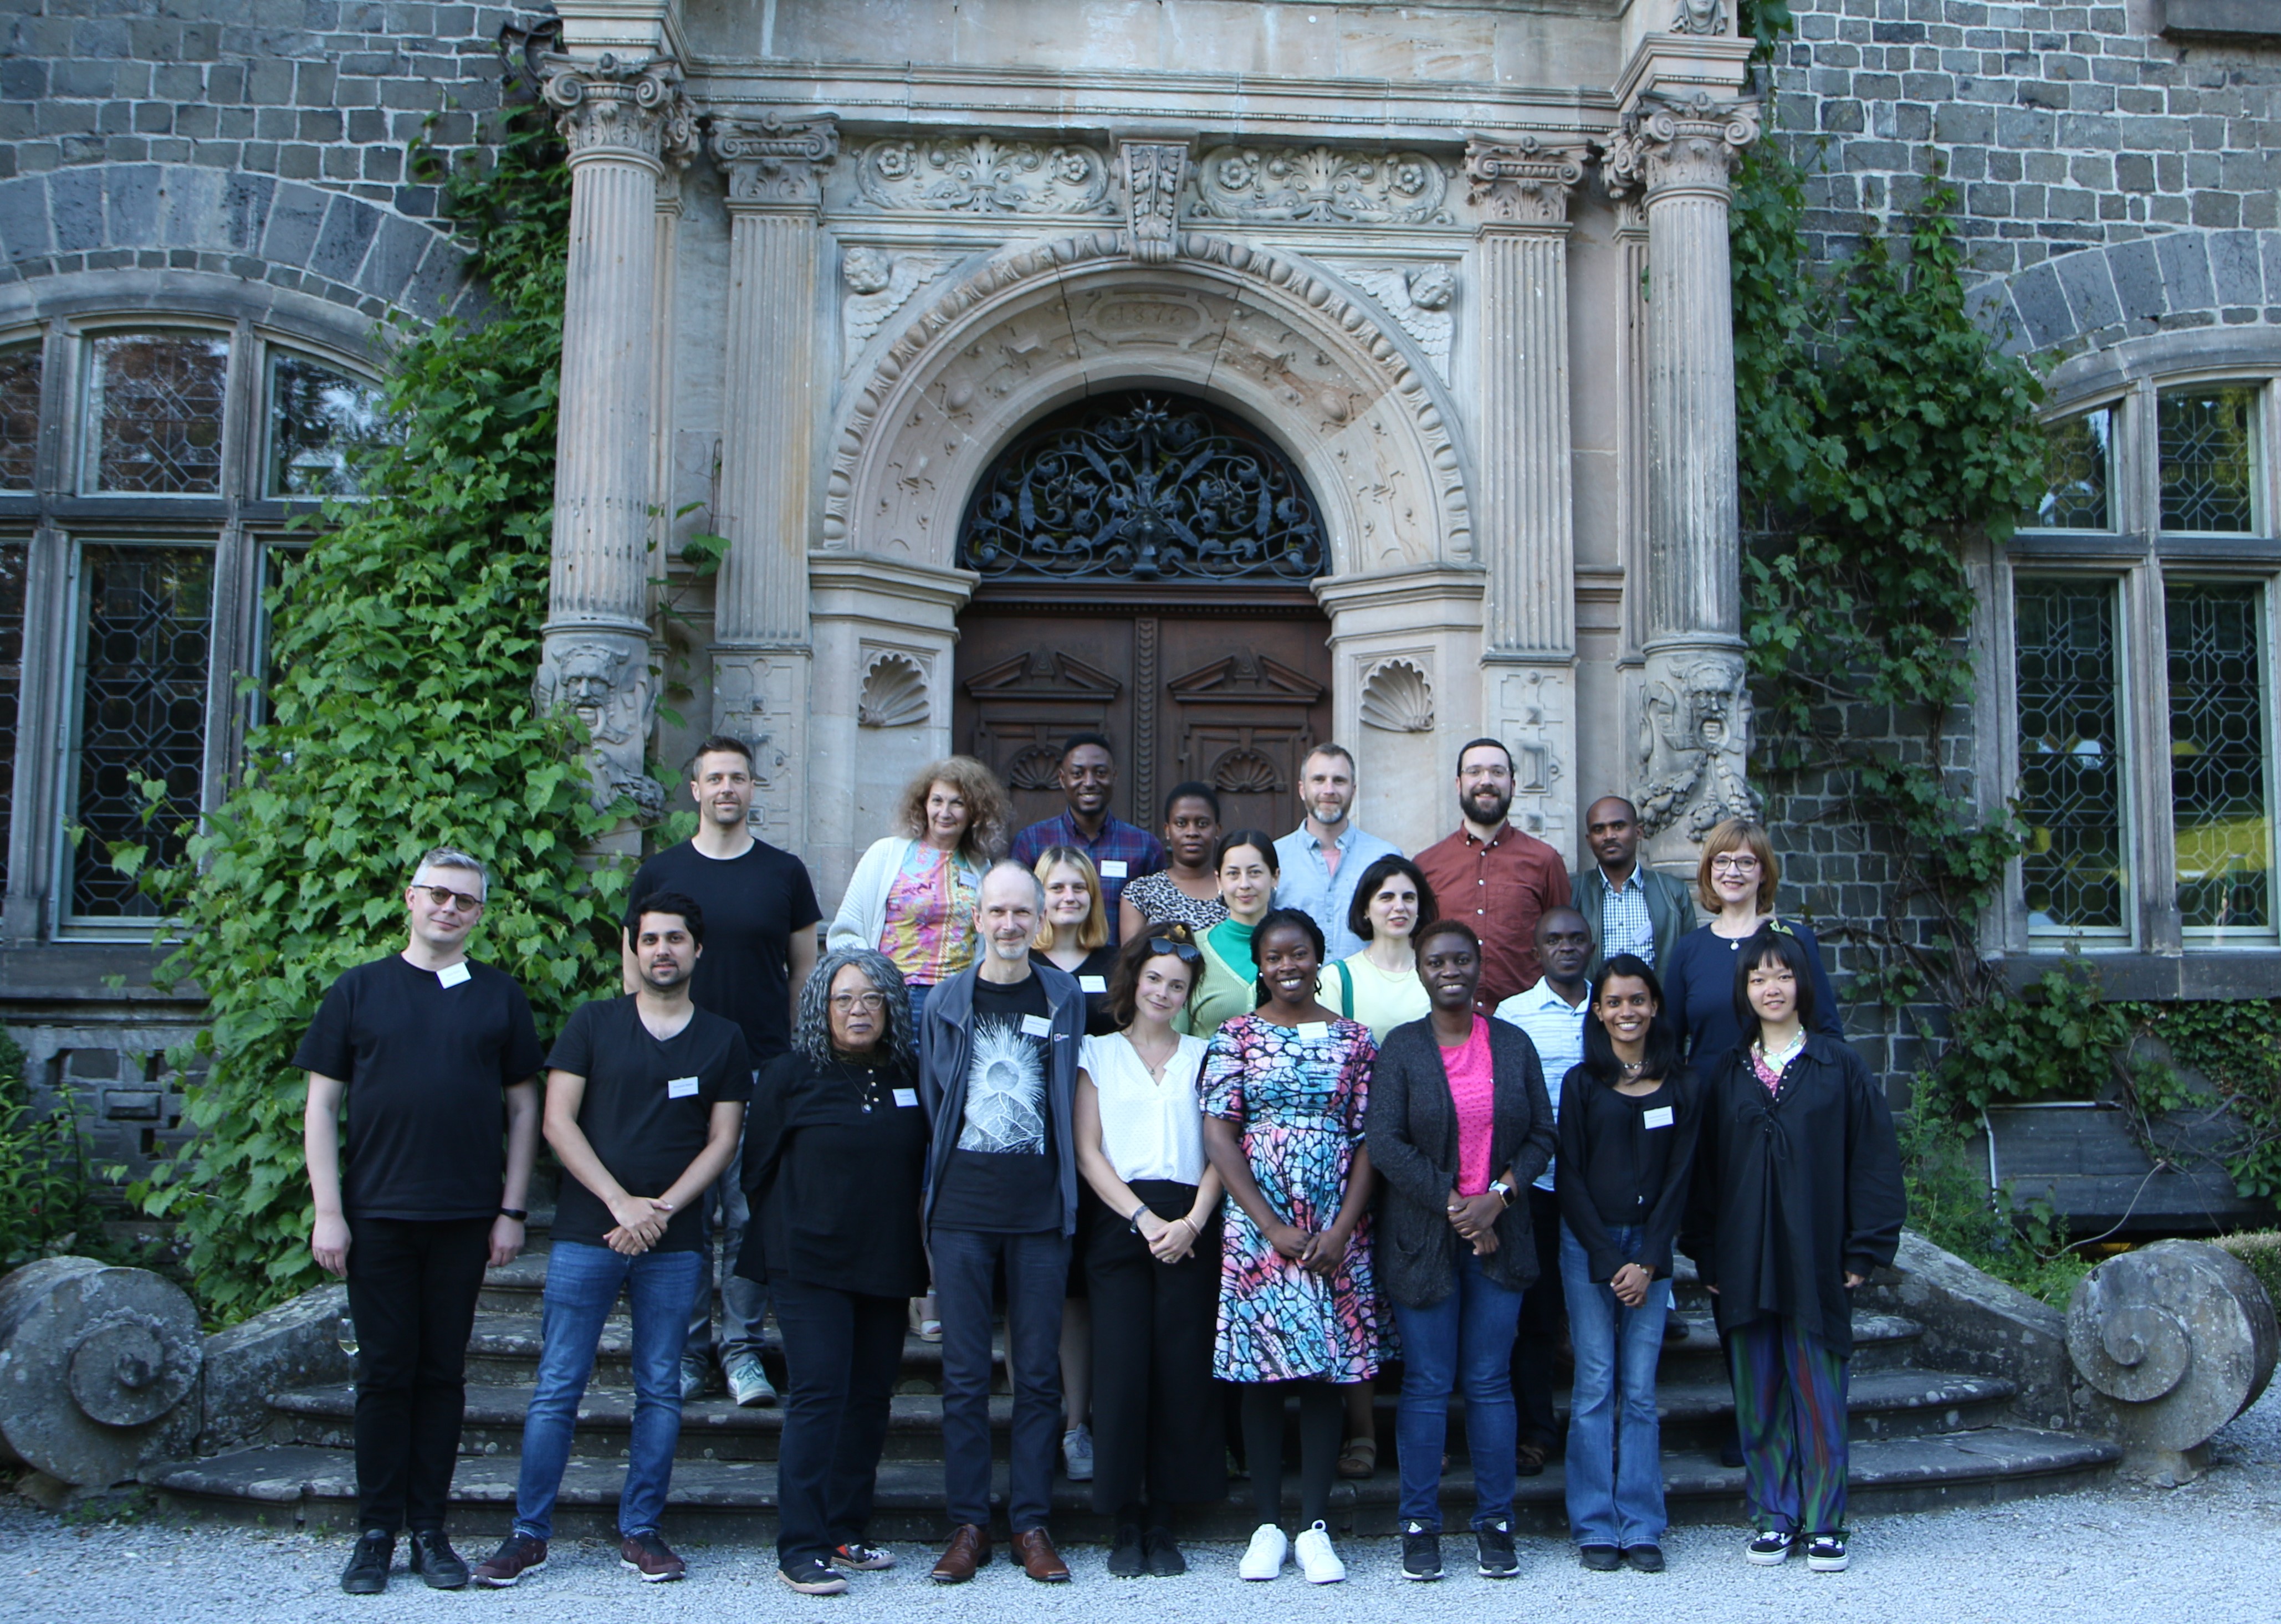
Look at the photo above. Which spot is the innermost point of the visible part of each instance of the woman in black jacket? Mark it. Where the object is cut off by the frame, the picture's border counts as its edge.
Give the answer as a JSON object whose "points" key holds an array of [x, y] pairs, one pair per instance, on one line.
{"points": [[835, 1155], [1458, 1125], [1628, 1117], [1799, 1196]]}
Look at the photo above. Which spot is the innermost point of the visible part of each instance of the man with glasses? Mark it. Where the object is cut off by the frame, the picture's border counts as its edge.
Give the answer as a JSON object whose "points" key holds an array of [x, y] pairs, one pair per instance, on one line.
{"points": [[429, 1050], [1496, 879], [1120, 851], [1324, 857], [760, 944]]}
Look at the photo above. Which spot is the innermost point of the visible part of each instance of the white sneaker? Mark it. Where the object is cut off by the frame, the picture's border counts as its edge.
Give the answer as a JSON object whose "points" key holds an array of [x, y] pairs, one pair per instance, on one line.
{"points": [[1319, 1564], [749, 1384], [1077, 1453], [1264, 1558]]}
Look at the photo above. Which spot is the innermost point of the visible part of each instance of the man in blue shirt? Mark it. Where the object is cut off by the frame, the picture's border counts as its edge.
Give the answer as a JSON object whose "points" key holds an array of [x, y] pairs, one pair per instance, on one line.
{"points": [[1120, 851], [1324, 857]]}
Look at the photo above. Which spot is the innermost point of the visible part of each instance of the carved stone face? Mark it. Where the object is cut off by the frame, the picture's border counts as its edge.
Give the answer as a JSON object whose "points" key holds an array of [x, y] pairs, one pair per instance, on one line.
{"points": [[868, 270]]}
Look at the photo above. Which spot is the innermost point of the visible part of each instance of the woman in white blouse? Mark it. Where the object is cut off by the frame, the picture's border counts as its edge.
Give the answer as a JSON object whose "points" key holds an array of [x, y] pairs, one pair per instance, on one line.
{"points": [[1152, 1259]]}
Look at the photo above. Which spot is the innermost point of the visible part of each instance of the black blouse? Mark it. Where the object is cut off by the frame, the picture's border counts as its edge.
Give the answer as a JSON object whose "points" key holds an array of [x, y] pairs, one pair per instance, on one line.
{"points": [[1092, 977], [835, 1157], [1626, 1160]]}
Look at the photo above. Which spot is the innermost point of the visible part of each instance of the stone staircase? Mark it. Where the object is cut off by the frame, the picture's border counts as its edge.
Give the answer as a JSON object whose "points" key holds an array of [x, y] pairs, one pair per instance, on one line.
{"points": [[1922, 1437]]}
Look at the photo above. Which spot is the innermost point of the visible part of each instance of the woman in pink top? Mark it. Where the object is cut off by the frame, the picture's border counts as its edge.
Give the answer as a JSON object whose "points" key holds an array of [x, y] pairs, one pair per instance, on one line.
{"points": [[1458, 1126]]}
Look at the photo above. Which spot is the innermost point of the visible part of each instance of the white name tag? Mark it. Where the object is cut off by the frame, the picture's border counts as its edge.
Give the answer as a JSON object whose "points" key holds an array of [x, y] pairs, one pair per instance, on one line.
{"points": [[1036, 1027], [1311, 1032], [907, 1096], [1093, 984], [681, 1088], [1659, 1117], [452, 975], [1112, 868]]}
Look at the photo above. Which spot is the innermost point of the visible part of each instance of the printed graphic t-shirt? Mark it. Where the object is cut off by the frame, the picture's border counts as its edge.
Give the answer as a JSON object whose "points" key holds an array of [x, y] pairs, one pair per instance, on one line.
{"points": [[1002, 1175]]}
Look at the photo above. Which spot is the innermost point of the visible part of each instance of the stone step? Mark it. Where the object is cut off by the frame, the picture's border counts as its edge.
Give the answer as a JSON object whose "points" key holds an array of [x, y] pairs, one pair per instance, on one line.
{"points": [[303, 1485]]}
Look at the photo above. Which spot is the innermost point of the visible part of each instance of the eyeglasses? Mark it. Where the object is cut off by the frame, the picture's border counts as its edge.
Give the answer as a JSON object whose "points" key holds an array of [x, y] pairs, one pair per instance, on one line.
{"points": [[1744, 864], [870, 1003], [1184, 952], [443, 896]]}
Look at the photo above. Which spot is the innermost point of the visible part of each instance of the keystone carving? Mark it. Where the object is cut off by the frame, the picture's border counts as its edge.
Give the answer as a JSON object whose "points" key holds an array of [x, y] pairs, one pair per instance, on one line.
{"points": [[1694, 734], [1667, 141], [605, 682], [983, 176], [775, 162], [1523, 183], [1153, 172], [611, 107]]}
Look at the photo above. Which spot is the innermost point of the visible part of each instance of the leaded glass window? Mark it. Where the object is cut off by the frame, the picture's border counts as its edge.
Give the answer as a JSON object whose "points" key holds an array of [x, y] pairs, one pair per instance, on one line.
{"points": [[320, 419], [2077, 496], [147, 615], [20, 416], [2069, 665], [2221, 789], [154, 412], [2208, 435]]}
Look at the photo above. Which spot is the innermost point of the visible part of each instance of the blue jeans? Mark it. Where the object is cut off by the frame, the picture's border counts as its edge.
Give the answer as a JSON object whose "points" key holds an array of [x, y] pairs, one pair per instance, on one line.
{"points": [[743, 1303], [1037, 1275], [583, 1283], [1615, 1449], [1468, 1335]]}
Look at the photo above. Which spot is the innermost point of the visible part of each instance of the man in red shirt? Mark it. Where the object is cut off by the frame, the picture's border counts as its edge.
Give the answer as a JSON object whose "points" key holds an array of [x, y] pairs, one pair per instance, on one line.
{"points": [[1495, 877]]}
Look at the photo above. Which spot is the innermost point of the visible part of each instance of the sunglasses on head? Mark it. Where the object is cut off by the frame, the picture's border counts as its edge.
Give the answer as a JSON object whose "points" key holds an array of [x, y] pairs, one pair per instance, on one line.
{"points": [[1185, 952]]}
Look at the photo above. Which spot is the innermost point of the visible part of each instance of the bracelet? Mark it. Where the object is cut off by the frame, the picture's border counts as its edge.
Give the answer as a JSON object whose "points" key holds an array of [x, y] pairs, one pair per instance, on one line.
{"points": [[517, 1214], [1134, 1222]]}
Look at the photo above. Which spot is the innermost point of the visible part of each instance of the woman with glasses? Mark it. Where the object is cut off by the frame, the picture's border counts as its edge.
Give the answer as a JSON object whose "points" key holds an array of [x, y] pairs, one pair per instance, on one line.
{"points": [[1247, 869], [1152, 1259], [835, 1155], [1185, 891], [1737, 879]]}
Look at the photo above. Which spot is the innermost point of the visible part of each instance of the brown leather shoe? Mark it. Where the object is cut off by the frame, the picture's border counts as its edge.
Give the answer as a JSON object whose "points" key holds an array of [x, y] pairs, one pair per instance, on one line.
{"points": [[969, 1549], [1039, 1559]]}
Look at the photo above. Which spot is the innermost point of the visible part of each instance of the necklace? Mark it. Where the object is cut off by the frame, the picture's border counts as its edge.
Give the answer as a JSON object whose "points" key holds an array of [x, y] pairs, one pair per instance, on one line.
{"points": [[1632, 1068], [868, 1087]]}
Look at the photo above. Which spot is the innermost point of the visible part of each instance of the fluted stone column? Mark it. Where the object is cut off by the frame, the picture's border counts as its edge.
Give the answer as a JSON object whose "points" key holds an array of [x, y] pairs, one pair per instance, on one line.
{"points": [[620, 118], [761, 650], [663, 341], [1692, 713], [1524, 522]]}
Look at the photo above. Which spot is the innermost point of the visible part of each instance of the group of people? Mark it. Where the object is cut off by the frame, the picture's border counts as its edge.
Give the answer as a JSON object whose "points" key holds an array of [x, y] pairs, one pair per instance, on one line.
{"points": [[1226, 1124]]}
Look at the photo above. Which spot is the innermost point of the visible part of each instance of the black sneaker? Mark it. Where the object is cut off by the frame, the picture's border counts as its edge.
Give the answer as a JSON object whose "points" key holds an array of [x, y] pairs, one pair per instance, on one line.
{"points": [[1494, 1543], [811, 1577], [1126, 1559], [1600, 1558], [1164, 1554], [1769, 1550], [434, 1560], [367, 1574], [1421, 1551], [862, 1557], [650, 1556], [519, 1554], [1825, 1553], [1643, 1559]]}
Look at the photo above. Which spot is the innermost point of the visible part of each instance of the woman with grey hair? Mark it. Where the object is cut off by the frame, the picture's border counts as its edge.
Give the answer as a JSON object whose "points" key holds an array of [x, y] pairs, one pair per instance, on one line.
{"points": [[835, 1152]]}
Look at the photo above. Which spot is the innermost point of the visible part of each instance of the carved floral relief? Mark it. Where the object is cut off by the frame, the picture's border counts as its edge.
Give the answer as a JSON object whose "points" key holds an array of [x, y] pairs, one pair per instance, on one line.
{"points": [[1310, 185], [983, 174]]}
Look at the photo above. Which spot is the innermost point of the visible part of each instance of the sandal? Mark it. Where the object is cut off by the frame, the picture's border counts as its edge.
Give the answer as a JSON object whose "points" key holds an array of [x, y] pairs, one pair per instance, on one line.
{"points": [[922, 1320], [1530, 1458], [1359, 1458]]}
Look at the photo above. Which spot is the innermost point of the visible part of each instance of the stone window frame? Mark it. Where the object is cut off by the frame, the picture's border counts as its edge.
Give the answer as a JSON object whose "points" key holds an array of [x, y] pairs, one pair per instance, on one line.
{"points": [[246, 528], [2156, 955]]}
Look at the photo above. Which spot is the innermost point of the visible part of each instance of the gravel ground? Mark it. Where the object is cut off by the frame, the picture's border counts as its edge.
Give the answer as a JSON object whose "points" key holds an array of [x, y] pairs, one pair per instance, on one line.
{"points": [[2204, 1552]]}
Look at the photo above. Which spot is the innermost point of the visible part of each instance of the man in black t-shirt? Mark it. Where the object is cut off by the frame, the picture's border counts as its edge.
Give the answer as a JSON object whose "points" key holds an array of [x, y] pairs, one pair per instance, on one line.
{"points": [[759, 945], [430, 1051], [645, 1100], [998, 1054]]}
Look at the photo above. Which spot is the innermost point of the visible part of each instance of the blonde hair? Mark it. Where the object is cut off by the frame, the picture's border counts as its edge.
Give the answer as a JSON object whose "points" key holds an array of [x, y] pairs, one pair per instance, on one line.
{"points": [[989, 814], [1094, 931], [1739, 833]]}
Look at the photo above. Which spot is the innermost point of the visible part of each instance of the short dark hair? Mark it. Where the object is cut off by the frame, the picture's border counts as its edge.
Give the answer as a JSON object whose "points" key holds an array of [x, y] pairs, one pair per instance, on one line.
{"points": [[1662, 1056], [1494, 743], [1773, 941], [1235, 839], [1133, 958], [1566, 908], [668, 902], [1444, 927], [1625, 802], [1075, 739], [1193, 790], [1279, 918], [718, 743], [1379, 872]]}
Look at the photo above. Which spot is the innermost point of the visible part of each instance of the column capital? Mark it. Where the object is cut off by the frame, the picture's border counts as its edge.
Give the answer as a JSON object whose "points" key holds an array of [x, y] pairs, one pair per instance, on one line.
{"points": [[1524, 183], [628, 109], [774, 163], [1154, 173], [1672, 143]]}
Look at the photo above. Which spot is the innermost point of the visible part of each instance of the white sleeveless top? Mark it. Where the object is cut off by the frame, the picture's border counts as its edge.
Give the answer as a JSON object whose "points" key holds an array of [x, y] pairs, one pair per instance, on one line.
{"points": [[1149, 1129]]}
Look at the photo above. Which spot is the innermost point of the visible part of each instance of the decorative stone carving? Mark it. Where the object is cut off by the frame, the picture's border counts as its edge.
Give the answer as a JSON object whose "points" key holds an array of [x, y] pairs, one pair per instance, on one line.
{"points": [[1670, 140], [983, 174], [1699, 17], [1523, 183], [1398, 288], [1321, 185], [1154, 171], [894, 693], [878, 284], [758, 697], [1396, 698], [1694, 734], [1433, 286], [603, 679], [610, 106], [775, 162]]}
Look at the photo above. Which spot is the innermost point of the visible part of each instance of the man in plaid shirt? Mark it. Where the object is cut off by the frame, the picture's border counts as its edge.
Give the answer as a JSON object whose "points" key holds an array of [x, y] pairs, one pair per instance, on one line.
{"points": [[1119, 850]]}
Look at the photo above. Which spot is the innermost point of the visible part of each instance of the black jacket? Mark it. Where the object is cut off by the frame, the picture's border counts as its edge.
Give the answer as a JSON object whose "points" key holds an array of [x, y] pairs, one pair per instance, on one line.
{"points": [[1604, 1132], [1794, 1190], [1411, 1128], [945, 1045]]}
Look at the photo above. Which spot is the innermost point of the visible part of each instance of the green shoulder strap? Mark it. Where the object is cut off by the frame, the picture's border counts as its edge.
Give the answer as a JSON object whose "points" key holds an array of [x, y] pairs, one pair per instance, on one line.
{"points": [[1346, 990]]}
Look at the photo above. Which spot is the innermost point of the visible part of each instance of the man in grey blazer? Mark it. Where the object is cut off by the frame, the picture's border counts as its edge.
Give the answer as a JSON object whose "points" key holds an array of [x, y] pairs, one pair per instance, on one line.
{"points": [[1631, 908]]}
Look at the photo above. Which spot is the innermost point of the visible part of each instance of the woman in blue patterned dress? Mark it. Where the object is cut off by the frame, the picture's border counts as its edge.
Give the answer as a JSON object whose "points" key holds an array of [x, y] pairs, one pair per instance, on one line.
{"points": [[1284, 1089]]}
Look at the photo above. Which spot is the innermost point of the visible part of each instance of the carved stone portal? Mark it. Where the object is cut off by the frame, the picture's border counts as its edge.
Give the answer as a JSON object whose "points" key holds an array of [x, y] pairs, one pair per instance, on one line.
{"points": [[603, 679], [1153, 172], [1689, 754]]}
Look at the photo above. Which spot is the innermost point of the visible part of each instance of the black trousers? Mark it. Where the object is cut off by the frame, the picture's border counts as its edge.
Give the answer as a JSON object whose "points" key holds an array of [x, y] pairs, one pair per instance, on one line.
{"points": [[412, 1292], [842, 1350], [1158, 1435], [1543, 1322]]}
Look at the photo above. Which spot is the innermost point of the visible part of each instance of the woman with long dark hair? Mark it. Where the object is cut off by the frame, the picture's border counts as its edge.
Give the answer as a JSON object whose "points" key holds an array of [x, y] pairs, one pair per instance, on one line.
{"points": [[1247, 867]]}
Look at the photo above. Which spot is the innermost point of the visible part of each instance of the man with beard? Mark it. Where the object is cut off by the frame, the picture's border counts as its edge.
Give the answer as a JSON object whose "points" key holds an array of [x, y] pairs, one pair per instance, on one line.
{"points": [[1119, 850], [1324, 857], [1495, 877]]}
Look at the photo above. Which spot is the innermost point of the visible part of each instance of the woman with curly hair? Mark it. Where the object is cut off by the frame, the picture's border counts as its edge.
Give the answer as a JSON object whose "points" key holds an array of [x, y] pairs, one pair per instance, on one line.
{"points": [[914, 893], [835, 1157]]}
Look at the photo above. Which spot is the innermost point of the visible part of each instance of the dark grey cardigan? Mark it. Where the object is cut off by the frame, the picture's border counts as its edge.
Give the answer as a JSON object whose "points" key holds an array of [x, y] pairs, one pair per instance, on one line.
{"points": [[1411, 1126]]}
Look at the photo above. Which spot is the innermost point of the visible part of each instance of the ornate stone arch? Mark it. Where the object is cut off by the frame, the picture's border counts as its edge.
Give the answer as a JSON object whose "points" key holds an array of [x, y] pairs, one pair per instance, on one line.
{"points": [[1346, 395]]}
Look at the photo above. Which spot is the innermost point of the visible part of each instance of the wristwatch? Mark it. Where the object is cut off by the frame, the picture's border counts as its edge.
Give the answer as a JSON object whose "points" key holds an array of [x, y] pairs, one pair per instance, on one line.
{"points": [[517, 1214], [1503, 1191]]}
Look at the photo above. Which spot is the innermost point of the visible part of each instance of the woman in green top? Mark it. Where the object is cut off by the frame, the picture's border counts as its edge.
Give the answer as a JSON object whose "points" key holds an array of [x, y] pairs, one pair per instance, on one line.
{"points": [[1379, 986], [1245, 864]]}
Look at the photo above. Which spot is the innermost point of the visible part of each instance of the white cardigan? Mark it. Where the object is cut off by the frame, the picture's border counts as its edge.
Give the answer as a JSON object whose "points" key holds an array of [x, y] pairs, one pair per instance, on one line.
{"points": [[862, 921]]}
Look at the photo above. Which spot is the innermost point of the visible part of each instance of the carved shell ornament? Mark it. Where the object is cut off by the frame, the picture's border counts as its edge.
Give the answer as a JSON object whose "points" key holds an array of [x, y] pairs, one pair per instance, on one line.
{"points": [[1396, 698], [1036, 767], [1245, 771], [894, 693]]}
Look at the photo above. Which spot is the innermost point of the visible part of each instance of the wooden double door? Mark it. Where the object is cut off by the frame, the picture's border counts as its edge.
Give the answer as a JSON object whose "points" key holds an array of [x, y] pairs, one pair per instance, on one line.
{"points": [[1231, 692]]}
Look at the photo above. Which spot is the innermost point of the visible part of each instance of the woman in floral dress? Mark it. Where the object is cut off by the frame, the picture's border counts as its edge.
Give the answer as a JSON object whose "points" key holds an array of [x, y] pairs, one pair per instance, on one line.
{"points": [[1284, 1090]]}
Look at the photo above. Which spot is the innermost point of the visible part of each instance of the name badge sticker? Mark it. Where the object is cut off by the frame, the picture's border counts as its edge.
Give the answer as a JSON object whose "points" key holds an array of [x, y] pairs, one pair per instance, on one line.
{"points": [[907, 1097], [1659, 1117], [1311, 1032], [453, 974], [682, 1088], [1112, 868], [1093, 984], [1036, 1027]]}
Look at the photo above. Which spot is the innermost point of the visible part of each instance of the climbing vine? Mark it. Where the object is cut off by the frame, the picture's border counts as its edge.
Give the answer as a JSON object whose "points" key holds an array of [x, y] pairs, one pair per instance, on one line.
{"points": [[399, 719]]}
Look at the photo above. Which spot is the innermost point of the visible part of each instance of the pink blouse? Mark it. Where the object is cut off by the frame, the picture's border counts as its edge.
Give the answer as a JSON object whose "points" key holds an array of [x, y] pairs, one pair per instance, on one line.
{"points": [[1473, 1090]]}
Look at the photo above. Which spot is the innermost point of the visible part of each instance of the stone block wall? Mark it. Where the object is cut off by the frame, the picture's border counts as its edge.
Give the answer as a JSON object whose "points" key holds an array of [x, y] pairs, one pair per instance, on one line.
{"points": [[119, 1084]]}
